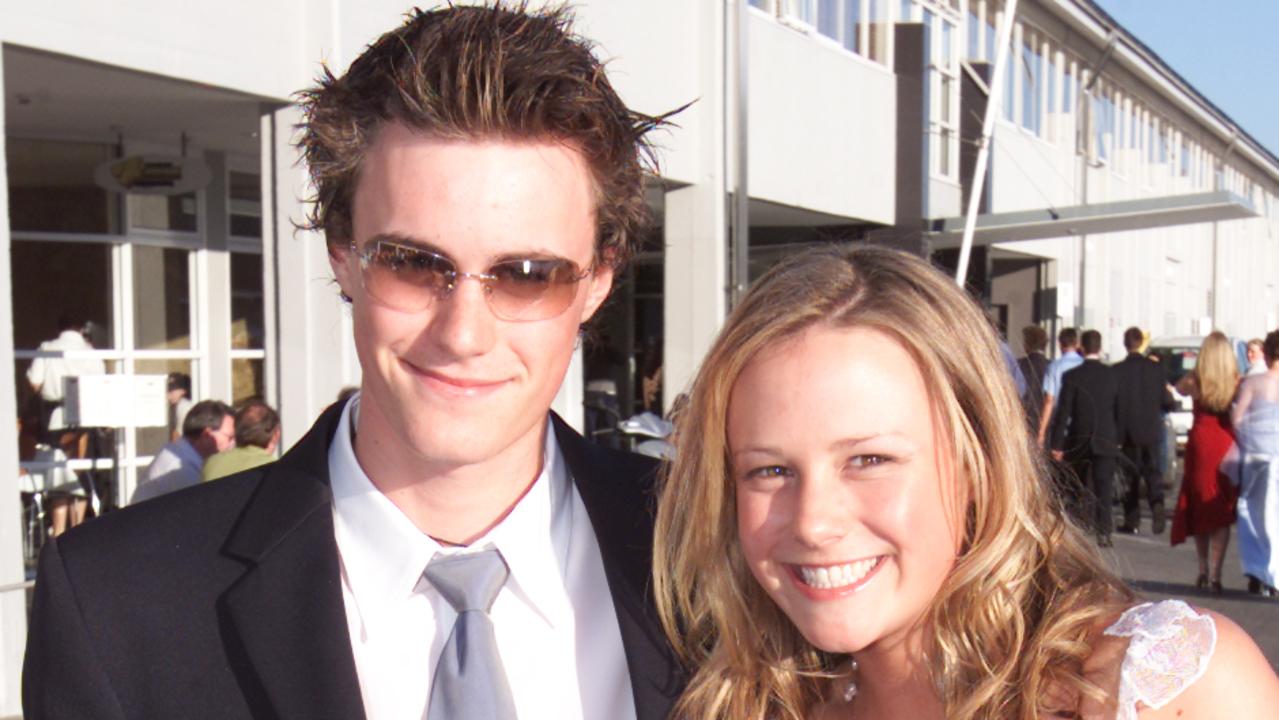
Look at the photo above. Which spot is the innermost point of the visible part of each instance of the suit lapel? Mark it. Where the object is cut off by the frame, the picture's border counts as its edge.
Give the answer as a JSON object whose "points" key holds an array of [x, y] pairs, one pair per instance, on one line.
{"points": [[284, 621], [617, 491]]}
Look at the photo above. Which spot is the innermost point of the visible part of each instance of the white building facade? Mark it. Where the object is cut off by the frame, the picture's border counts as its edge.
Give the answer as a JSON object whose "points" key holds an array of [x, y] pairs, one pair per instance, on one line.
{"points": [[1117, 194]]}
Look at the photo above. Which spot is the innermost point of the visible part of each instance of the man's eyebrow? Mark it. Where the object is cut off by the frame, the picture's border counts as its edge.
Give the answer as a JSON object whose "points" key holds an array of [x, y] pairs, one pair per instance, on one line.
{"points": [[420, 244], [406, 240], [531, 254]]}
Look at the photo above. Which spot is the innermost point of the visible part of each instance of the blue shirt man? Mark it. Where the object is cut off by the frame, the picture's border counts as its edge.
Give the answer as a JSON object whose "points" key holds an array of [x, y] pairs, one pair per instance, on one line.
{"points": [[1068, 341]]}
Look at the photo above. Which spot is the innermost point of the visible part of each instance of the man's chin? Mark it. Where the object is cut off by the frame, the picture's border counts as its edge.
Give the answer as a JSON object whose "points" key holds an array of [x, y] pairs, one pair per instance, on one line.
{"points": [[447, 439]]}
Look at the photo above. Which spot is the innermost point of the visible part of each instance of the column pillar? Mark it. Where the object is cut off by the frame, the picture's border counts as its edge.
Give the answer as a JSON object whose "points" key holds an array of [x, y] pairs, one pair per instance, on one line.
{"points": [[307, 325], [13, 605], [695, 225], [216, 316], [695, 277]]}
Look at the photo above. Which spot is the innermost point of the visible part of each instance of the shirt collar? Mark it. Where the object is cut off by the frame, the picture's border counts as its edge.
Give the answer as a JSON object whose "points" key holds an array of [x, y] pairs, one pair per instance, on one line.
{"points": [[384, 553]]}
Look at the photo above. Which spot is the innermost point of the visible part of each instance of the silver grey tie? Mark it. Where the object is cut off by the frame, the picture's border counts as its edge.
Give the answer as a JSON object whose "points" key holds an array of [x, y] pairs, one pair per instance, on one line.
{"points": [[469, 682]]}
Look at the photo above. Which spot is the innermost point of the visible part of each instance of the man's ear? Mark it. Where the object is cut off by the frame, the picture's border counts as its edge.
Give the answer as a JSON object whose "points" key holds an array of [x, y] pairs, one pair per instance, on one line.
{"points": [[600, 283], [345, 267]]}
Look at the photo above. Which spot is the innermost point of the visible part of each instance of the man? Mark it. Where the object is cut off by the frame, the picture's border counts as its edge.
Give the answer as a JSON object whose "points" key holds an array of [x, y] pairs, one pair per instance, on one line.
{"points": [[1068, 342], [1034, 367], [1083, 434], [1256, 357], [257, 433], [46, 374], [1142, 399], [439, 546], [208, 429]]}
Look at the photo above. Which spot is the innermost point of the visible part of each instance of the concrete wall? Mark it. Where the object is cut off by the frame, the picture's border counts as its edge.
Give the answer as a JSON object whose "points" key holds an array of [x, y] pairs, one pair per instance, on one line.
{"points": [[249, 46], [13, 605], [1159, 279], [822, 125]]}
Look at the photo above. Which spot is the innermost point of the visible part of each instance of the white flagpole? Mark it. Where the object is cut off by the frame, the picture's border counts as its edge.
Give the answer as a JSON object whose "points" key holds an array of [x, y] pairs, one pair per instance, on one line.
{"points": [[993, 105]]}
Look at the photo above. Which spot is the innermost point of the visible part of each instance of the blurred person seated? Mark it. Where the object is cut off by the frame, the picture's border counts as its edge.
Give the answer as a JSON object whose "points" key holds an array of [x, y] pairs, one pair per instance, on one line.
{"points": [[257, 434], [1257, 364], [208, 429], [178, 393]]}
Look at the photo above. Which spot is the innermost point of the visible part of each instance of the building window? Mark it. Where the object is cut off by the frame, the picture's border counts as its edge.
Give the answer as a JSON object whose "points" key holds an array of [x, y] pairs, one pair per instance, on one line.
{"points": [[1102, 109], [860, 26], [1031, 84], [974, 34], [161, 298], [1069, 87], [130, 271], [991, 36], [1053, 82], [943, 83], [244, 192], [51, 187], [1010, 78]]}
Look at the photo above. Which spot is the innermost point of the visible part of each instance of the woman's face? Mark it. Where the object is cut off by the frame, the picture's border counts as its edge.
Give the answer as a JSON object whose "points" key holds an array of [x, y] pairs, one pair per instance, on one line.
{"points": [[845, 504]]}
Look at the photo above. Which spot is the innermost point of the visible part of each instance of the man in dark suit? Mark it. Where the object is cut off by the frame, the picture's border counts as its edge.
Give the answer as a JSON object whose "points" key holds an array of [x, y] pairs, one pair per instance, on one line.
{"points": [[1034, 366], [1143, 396], [440, 545], [1084, 434]]}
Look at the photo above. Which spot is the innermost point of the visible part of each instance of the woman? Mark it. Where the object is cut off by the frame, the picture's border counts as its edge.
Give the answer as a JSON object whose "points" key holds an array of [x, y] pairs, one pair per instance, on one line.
{"points": [[1255, 414], [1206, 504], [853, 480]]}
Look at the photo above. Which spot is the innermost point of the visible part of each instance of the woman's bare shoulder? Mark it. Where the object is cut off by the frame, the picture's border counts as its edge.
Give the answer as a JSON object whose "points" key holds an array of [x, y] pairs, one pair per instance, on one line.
{"points": [[1167, 659], [1239, 682]]}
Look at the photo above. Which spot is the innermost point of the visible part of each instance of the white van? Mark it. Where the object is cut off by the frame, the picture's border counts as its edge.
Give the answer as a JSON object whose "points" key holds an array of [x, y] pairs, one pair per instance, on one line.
{"points": [[1177, 356]]}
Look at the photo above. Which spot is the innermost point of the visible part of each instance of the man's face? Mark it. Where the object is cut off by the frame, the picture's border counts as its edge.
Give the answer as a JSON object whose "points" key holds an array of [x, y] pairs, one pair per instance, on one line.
{"points": [[452, 383], [213, 441], [1255, 354]]}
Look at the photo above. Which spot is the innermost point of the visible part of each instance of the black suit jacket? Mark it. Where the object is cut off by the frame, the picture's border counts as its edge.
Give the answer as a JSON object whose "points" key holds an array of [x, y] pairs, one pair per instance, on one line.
{"points": [[1142, 398], [1033, 367], [1084, 422], [225, 600]]}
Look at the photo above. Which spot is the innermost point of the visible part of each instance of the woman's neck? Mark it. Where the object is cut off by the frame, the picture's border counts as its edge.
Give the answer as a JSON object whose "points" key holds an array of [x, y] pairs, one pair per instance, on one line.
{"points": [[894, 681]]}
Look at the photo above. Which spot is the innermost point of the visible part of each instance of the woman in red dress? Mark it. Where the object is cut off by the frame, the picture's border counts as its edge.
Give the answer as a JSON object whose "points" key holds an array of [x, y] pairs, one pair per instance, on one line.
{"points": [[1206, 505]]}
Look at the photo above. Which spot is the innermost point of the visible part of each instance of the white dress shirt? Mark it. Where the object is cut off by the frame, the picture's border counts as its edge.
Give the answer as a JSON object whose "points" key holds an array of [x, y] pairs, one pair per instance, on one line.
{"points": [[556, 628], [48, 373]]}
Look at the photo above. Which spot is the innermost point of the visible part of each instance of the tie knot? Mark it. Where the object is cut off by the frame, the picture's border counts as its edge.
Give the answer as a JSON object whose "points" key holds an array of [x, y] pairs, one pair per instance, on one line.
{"points": [[468, 581]]}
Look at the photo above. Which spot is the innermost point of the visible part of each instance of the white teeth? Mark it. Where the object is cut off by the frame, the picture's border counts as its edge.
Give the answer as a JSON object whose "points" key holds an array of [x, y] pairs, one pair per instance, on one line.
{"points": [[836, 576]]}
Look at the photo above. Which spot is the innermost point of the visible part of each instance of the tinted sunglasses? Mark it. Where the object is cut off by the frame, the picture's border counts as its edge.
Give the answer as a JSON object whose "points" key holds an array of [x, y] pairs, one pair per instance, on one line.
{"points": [[410, 278]]}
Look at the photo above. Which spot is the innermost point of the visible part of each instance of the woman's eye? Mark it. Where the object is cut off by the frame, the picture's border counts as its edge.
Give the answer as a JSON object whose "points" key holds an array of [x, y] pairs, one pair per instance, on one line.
{"points": [[869, 461], [768, 472]]}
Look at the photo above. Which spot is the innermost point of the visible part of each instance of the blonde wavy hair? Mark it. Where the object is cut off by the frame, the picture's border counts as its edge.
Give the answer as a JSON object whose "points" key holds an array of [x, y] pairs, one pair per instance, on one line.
{"points": [[1017, 616], [1216, 373]]}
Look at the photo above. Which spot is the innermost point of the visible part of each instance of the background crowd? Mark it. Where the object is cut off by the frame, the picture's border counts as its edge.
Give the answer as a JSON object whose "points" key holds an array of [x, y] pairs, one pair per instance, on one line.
{"points": [[1104, 428]]}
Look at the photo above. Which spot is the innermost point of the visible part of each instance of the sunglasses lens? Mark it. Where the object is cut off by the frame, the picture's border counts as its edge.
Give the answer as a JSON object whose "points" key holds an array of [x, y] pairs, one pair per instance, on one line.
{"points": [[410, 279], [405, 278], [532, 289]]}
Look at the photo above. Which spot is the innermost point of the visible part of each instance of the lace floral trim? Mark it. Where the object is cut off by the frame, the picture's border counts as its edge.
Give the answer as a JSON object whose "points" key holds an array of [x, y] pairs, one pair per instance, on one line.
{"points": [[1170, 649]]}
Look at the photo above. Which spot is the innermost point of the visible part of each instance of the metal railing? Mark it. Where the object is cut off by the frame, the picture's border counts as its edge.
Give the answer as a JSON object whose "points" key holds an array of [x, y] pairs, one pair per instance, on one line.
{"points": [[13, 587]]}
